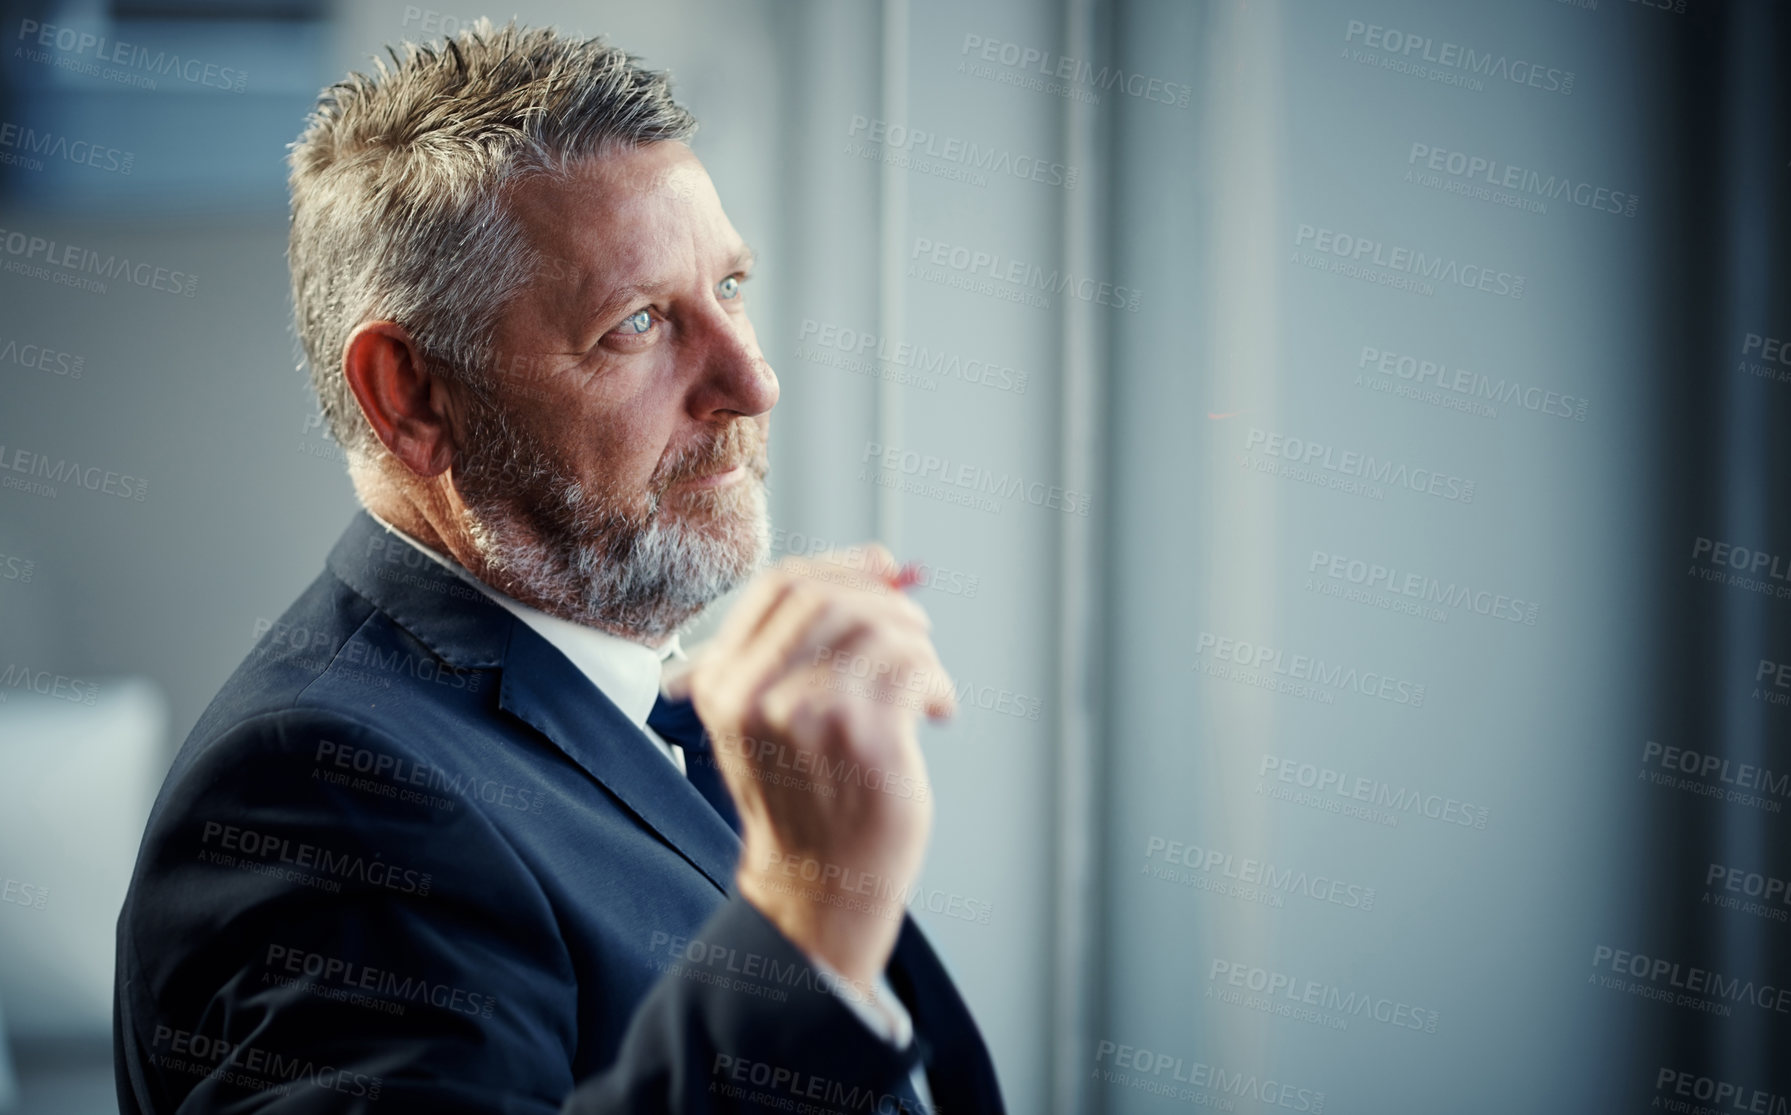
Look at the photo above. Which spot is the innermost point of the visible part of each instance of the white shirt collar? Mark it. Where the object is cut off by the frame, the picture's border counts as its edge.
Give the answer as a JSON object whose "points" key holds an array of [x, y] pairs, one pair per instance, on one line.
{"points": [[627, 672]]}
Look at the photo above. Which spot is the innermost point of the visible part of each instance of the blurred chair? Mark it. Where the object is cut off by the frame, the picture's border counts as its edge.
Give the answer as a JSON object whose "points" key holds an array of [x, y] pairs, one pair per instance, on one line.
{"points": [[79, 781]]}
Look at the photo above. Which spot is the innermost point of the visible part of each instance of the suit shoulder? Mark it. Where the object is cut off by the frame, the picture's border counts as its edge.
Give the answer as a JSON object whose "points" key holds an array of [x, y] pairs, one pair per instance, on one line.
{"points": [[333, 659], [317, 808], [287, 654]]}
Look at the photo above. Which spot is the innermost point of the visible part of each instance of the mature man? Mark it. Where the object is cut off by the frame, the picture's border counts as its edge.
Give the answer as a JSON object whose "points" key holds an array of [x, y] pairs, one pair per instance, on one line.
{"points": [[442, 844]]}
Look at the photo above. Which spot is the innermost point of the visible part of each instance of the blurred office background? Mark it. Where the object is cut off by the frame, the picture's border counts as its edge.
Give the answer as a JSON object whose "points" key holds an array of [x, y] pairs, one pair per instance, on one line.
{"points": [[1393, 721]]}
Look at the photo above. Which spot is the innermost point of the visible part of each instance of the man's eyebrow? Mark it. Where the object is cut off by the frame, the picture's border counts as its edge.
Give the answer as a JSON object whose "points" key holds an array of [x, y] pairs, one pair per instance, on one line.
{"points": [[629, 295]]}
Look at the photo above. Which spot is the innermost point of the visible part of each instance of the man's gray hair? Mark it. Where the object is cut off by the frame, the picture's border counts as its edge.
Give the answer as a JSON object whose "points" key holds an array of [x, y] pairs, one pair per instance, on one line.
{"points": [[399, 209]]}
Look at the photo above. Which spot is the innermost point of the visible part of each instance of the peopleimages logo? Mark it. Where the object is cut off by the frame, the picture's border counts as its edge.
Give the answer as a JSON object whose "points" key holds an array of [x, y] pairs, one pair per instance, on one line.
{"points": [[42, 471], [1765, 357], [1464, 389], [1684, 985], [969, 154], [1417, 586], [1404, 50], [976, 269], [228, 845], [15, 568], [1024, 61], [1127, 1060], [1528, 189], [858, 346], [341, 979], [1774, 675], [42, 358], [1712, 775], [1752, 569], [28, 147], [1405, 268], [73, 263], [21, 893], [972, 480], [1720, 1094], [1391, 799], [75, 47], [1355, 466], [252, 1067], [1259, 873], [1271, 987], [1282, 666], [849, 568], [59, 686], [1774, 893]]}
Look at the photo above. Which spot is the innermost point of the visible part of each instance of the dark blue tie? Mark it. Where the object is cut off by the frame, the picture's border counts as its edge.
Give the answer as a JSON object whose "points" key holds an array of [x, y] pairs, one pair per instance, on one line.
{"points": [[676, 722]]}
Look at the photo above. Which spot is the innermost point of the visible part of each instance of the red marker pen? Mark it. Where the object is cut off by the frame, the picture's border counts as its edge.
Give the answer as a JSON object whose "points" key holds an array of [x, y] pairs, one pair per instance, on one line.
{"points": [[907, 575]]}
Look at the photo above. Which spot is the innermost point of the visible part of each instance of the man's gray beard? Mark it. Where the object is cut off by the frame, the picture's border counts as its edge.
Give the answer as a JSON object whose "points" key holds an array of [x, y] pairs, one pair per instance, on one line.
{"points": [[602, 559]]}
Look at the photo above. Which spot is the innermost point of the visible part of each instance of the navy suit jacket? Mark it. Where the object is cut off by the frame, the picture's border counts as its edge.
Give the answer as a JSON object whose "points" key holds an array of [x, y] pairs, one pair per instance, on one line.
{"points": [[412, 860]]}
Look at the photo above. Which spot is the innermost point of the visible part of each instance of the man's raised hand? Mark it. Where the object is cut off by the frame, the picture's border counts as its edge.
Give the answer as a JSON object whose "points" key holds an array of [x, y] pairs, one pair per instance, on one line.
{"points": [[811, 692]]}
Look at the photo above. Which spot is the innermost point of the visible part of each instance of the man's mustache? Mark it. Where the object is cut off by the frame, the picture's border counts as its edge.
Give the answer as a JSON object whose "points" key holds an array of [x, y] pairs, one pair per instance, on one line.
{"points": [[741, 444]]}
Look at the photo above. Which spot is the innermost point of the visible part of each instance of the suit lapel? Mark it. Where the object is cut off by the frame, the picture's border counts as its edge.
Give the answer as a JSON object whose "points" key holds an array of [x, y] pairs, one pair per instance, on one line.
{"points": [[545, 690], [469, 631]]}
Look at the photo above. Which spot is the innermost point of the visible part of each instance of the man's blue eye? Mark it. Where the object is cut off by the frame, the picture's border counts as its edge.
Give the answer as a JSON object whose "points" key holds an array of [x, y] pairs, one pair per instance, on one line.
{"points": [[729, 287], [639, 323]]}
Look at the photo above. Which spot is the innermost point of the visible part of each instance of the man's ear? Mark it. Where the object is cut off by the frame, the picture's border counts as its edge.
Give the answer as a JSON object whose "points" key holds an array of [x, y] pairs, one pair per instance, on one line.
{"points": [[409, 409]]}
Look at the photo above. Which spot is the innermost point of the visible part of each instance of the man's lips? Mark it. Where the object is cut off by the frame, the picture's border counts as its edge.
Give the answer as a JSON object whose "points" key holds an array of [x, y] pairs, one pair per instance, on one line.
{"points": [[714, 479], [718, 475]]}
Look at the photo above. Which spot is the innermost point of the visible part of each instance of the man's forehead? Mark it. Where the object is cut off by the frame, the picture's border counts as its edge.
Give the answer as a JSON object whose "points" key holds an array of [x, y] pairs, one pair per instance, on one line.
{"points": [[625, 182], [677, 177], [636, 218]]}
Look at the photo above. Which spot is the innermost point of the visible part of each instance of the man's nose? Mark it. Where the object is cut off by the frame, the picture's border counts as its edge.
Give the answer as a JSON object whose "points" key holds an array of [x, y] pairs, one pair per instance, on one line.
{"points": [[738, 378]]}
